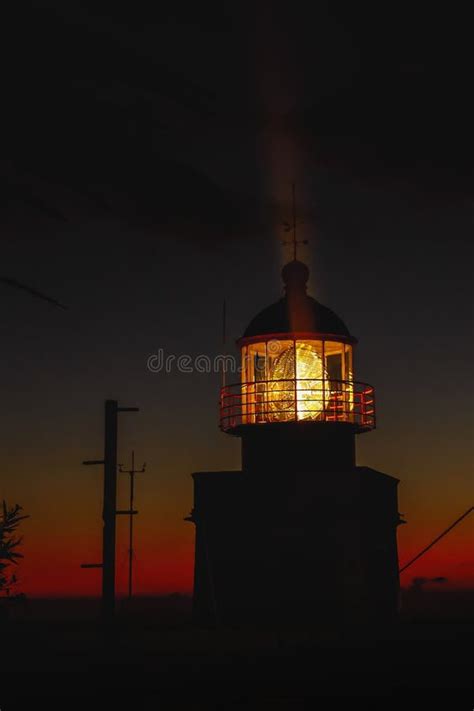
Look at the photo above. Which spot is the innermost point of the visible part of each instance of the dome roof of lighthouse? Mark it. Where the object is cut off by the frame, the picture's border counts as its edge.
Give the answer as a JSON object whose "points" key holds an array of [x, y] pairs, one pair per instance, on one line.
{"points": [[296, 311], [276, 319]]}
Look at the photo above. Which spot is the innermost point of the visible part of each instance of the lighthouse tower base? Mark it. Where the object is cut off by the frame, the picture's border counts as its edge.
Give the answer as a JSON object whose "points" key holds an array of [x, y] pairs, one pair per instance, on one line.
{"points": [[296, 547]]}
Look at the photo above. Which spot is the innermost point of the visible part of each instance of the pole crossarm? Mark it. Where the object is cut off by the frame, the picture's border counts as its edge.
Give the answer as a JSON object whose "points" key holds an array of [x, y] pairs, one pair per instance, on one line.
{"points": [[92, 565], [126, 513]]}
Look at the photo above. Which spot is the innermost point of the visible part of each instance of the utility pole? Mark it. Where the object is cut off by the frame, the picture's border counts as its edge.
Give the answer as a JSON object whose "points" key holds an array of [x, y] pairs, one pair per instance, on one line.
{"points": [[109, 511], [132, 473]]}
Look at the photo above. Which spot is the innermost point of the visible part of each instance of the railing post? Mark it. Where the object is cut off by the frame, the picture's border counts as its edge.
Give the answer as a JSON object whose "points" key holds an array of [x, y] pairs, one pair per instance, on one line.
{"points": [[295, 372], [324, 397], [323, 384]]}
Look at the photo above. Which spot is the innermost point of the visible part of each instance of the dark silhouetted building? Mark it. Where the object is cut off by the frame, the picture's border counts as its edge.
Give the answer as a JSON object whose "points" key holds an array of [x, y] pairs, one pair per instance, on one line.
{"points": [[301, 533]]}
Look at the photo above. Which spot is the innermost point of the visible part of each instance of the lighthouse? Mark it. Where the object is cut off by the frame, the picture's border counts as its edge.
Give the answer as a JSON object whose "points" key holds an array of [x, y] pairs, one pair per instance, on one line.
{"points": [[301, 534]]}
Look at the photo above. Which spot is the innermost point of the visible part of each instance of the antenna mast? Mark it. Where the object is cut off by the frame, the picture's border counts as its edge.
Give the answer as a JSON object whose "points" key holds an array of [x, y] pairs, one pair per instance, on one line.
{"points": [[131, 513], [294, 220], [224, 341]]}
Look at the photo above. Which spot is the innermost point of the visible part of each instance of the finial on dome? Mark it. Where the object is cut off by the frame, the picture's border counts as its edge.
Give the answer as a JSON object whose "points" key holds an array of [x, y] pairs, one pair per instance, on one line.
{"points": [[293, 242], [295, 274]]}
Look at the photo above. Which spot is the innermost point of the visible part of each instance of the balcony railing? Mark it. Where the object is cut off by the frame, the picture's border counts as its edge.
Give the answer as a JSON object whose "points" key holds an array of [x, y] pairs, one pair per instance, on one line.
{"points": [[297, 400]]}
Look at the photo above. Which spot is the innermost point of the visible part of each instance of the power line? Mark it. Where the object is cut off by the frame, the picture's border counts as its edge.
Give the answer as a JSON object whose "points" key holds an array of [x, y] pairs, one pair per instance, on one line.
{"points": [[441, 535], [34, 292]]}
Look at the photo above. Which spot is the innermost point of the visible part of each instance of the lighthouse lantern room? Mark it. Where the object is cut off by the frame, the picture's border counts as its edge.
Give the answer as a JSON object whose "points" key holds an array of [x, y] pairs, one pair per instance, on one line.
{"points": [[297, 364]]}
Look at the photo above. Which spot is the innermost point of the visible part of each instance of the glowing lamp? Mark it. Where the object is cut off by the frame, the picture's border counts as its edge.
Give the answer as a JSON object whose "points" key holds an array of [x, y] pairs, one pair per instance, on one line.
{"points": [[309, 390]]}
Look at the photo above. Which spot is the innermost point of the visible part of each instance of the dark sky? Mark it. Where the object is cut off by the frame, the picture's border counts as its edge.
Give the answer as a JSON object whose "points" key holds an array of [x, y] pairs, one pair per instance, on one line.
{"points": [[146, 167]]}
